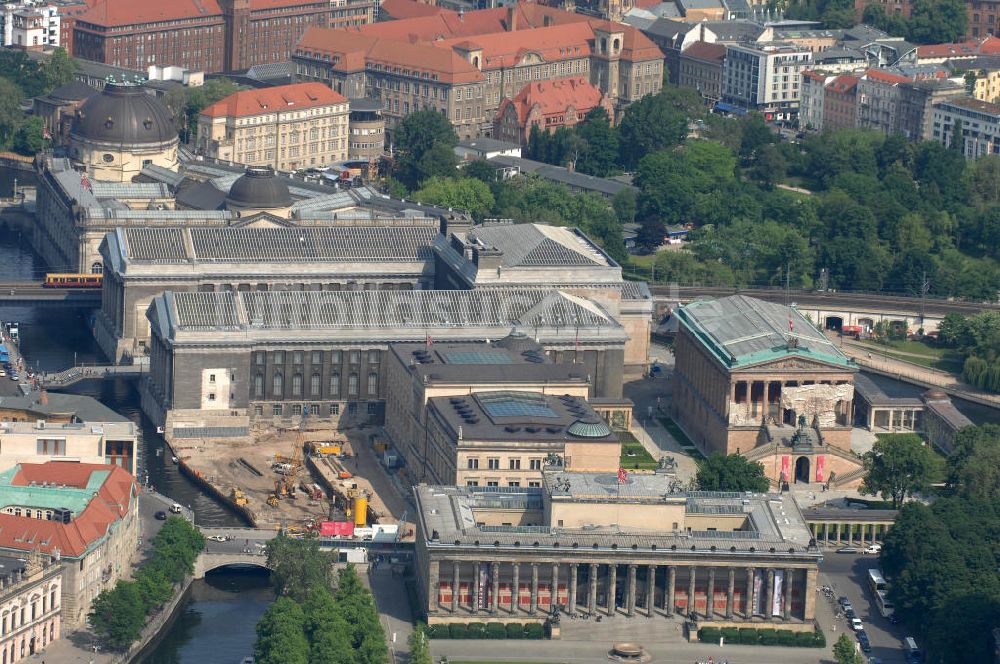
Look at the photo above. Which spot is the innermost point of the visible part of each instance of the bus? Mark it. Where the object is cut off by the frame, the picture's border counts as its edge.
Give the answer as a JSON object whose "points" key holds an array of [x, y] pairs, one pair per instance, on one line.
{"points": [[884, 604], [876, 581], [73, 280]]}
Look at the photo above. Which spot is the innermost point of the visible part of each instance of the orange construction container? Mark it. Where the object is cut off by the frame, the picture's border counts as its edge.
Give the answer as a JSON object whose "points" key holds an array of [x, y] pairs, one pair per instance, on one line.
{"points": [[360, 512]]}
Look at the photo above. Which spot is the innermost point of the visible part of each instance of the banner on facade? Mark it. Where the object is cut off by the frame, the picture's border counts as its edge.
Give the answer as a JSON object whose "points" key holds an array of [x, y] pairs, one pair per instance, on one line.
{"points": [[777, 596], [483, 577], [820, 467], [785, 464], [758, 586]]}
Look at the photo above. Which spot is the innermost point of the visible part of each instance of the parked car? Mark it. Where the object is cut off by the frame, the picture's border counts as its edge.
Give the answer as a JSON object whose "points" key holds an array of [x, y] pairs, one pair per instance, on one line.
{"points": [[873, 549], [848, 549], [849, 612], [856, 624], [866, 645], [160, 516]]}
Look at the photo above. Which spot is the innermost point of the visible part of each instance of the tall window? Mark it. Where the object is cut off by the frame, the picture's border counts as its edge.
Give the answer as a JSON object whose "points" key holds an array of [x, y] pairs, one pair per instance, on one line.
{"points": [[352, 385], [51, 446], [334, 384], [314, 385], [373, 384], [278, 385], [297, 385], [258, 386]]}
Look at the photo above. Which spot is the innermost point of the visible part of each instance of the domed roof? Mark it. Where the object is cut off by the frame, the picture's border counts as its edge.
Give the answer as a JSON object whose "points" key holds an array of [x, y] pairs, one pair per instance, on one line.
{"points": [[124, 114], [73, 91], [259, 188], [518, 342], [589, 428]]}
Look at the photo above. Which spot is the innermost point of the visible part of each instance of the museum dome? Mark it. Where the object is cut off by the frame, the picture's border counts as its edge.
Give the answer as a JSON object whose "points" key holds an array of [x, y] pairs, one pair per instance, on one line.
{"points": [[519, 342], [259, 189], [124, 114], [589, 428]]}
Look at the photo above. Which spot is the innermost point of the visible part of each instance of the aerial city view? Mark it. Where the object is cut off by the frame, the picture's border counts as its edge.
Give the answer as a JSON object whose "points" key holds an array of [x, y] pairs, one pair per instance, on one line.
{"points": [[381, 331]]}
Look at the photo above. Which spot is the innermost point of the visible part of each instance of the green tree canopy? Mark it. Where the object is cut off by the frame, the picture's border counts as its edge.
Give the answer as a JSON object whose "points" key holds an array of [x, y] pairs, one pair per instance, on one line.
{"points": [[937, 21], [653, 123], [898, 467], [845, 651], [298, 566], [467, 193], [721, 472], [118, 615], [187, 103], [423, 143], [281, 636], [600, 155]]}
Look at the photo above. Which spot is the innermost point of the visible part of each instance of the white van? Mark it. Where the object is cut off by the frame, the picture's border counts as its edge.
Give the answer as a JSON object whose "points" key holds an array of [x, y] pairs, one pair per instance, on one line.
{"points": [[176, 508]]}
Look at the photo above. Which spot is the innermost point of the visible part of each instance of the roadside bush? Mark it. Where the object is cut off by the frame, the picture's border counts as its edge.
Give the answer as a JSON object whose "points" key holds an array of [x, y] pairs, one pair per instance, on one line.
{"points": [[476, 630], [749, 636], [534, 631], [458, 631], [819, 639], [515, 631], [768, 637], [785, 637], [495, 631], [438, 632], [805, 640], [709, 634], [731, 634]]}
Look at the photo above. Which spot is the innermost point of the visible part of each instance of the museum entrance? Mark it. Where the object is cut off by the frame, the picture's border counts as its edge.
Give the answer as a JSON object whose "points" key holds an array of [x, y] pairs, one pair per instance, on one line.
{"points": [[802, 470]]}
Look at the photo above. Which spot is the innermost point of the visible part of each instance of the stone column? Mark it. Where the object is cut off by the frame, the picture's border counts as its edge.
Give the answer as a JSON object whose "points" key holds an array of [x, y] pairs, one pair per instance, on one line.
{"points": [[768, 594], [850, 534], [612, 588], [554, 593], [434, 586], [573, 572], [630, 602], [495, 590], [454, 587], [693, 572], [671, 598], [809, 592], [710, 595], [730, 594], [533, 606], [476, 587], [788, 593], [650, 590], [748, 596], [592, 595], [515, 598]]}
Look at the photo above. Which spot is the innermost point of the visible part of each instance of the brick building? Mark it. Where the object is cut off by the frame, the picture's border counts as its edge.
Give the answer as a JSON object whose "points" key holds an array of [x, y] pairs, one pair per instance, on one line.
{"points": [[840, 103], [464, 65], [700, 67], [547, 105], [758, 379], [205, 35], [285, 127]]}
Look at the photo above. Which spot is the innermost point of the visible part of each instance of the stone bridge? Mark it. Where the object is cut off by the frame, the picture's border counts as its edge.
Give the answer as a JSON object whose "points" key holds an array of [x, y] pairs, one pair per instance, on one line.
{"points": [[208, 561], [242, 546]]}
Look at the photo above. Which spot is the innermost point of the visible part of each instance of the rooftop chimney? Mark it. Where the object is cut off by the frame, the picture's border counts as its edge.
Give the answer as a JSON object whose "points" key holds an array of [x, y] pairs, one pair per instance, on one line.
{"points": [[511, 18]]}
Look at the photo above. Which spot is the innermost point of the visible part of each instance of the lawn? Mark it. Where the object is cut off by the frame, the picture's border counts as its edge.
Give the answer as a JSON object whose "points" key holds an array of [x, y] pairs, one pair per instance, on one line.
{"points": [[681, 437], [909, 346], [634, 455], [951, 364]]}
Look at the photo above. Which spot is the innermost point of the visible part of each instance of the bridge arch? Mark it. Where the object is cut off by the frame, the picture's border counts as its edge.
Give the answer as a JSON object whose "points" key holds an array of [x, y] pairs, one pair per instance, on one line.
{"points": [[211, 561]]}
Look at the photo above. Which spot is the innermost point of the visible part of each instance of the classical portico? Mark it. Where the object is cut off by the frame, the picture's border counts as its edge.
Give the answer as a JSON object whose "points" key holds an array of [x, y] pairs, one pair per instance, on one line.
{"points": [[722, 557]]}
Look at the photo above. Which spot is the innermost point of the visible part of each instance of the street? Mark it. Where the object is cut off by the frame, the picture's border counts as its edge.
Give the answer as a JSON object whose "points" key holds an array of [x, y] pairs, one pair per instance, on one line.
{"points": [[847, 575]]}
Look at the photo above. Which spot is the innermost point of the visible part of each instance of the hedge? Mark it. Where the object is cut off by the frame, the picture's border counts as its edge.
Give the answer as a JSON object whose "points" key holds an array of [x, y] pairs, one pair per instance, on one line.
{"points": [[765, 637], [494, 630]]}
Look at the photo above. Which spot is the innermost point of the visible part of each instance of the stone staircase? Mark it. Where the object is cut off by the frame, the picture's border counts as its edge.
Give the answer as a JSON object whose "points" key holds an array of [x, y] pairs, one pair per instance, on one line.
{"points": [[638, 628], [847, 477]]}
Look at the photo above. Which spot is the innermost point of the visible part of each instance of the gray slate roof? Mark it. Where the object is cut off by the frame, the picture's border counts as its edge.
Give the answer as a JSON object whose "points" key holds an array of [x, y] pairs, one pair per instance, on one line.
{"points": [[531, 245]]}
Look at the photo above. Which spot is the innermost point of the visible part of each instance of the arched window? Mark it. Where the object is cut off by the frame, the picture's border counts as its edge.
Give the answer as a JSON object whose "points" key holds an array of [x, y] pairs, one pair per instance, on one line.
{"points": [[277, 385], [373, 384], [258, 386], [334, 384], [352, 385], [297, 385], [617, 45], [314, 383], [97, 268]]}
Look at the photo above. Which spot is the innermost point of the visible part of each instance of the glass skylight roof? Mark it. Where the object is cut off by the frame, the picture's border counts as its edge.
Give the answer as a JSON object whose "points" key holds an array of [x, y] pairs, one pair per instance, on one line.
{"points": [[477, 357], [515, 404]]}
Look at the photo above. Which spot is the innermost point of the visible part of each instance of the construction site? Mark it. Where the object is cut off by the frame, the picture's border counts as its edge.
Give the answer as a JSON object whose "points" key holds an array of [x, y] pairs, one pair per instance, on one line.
{"points": [[297, 479]]}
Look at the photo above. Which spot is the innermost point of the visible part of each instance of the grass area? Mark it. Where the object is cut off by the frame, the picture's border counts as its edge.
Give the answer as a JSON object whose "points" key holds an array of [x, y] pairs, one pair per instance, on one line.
{"points": [[681, 437], [951, 365], [909, 346], [634, 455]]}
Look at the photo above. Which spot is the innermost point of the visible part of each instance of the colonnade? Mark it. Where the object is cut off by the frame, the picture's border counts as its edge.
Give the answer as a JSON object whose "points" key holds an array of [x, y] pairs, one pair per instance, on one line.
{"points": [[703, 592], [760, 397], [850, 532]]}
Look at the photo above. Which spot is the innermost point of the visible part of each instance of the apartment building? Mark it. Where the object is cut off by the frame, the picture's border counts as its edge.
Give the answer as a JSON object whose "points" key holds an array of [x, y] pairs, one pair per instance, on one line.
{"points": [[285, 127], [765, 78], [878, 97], [840, 102], [30, 25], [205, 35], [978, 121], [812, 97], [464, 65], [700, 67]]}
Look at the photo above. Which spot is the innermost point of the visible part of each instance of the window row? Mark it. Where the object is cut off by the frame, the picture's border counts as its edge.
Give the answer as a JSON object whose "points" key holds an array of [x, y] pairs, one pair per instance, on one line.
{"points": [[315, 385], [316, 357], [315, 409], [493, 463]]}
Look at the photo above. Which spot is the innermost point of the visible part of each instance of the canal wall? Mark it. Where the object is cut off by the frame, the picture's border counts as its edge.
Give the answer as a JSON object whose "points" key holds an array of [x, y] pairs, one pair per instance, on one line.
{"points": [[156, 627], [242, 511]]}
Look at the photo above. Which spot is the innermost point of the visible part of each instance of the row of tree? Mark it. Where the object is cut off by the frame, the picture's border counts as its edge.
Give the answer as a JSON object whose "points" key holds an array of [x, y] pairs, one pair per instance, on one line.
{"points": [[941, 560], [22, 78], [978, 339], [119, 614], [311, 622], [929, 22]]}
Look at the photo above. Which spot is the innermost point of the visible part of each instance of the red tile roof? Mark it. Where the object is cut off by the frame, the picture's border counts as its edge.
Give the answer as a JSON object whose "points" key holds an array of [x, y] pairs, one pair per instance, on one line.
{"points": [[705, 51], [505, 49], [989, 46], [554, 98], [885, 77], [399, 9], [267, 100], [109, 505], [969, 48], [136, 12], [843, 84]]}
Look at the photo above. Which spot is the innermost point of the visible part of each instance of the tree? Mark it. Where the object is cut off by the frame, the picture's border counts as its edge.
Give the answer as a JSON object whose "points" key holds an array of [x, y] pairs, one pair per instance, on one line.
{"points": [[845, 652], [358, 609], [29, 138], [651, 234], [59, 69], [649, 125], [481, 170], [974, 465], [328, 633], [468, 194], [117, 615], [721, 472], [187, 103], [424, 142], [281, 637], [625, 205], [898, 466], [420, 652], [600, 156], [937, 21], [298, 566], [11, 114]]}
